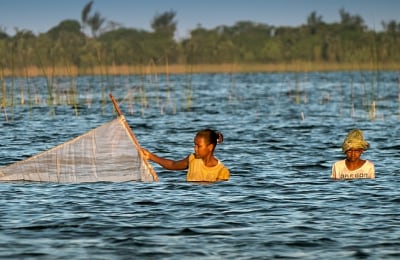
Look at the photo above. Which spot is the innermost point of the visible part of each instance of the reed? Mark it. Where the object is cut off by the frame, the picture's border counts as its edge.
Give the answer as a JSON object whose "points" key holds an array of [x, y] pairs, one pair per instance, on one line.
{"points": [[27, 79], [3, 91], [3, 96], [188, 93], [169, 102], [353, 113], [49, 74], [72, 99], [188, 87], [371, 96], [152, 75], [398, 80], [297, 86]]}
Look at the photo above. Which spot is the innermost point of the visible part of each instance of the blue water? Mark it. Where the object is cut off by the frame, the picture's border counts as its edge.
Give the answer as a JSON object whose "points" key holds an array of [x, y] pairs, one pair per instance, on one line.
{"points": [[282, 133]]}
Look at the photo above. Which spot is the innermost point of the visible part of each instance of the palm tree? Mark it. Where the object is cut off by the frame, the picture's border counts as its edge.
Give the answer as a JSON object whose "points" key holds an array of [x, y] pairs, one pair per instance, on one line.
{"points": [[94, 22], [85, 13]]}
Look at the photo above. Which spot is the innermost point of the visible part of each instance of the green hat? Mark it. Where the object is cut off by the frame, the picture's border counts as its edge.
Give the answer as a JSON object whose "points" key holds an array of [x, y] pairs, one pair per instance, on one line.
{"points": [[354, 140]]}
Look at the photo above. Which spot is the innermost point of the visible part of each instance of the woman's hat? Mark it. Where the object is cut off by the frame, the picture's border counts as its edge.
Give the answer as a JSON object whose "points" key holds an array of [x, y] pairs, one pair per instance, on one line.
{"points": [[354, 140]]}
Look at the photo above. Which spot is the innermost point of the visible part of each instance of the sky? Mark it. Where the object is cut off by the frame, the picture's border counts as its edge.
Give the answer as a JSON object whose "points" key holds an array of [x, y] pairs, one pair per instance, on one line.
{"points": [[39, 16]]}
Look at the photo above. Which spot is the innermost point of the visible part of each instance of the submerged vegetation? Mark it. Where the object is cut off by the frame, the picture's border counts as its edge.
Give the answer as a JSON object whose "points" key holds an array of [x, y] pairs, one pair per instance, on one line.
{"points": [[109, 48]]}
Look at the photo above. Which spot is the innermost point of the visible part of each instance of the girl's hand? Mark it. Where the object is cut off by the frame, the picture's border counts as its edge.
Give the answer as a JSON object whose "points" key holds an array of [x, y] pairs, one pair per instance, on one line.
{"points": [[146, 154]]}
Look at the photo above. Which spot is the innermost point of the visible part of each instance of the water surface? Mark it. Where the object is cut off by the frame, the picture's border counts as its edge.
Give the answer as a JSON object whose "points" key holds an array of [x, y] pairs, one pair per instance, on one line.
{"points": [[282, 133]]}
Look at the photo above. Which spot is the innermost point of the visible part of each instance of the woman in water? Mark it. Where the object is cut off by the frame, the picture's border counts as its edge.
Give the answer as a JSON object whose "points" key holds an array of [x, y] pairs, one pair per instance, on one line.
{"points": [[353, 167]]}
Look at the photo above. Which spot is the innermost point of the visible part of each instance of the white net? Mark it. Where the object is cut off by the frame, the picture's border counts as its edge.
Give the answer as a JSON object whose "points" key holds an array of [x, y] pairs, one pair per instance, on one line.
{"points": [[107, 153]]}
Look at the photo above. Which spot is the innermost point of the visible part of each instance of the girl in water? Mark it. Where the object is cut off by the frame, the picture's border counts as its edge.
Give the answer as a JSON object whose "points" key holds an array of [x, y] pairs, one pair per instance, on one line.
{"points": [[202, 165]]}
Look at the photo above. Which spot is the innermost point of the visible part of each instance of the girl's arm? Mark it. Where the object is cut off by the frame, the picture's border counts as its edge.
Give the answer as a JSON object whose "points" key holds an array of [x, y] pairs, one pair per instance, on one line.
{"points": [[167, 163]]}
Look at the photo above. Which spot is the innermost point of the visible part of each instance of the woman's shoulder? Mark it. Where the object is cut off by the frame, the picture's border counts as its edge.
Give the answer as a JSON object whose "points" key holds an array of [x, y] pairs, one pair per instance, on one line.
{"points": [[368, 163], [340, 162]]}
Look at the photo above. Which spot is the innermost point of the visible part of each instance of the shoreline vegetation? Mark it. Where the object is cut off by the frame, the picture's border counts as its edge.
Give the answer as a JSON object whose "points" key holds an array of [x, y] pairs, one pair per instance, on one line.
{"points": [[300, 66], [89, 47]]}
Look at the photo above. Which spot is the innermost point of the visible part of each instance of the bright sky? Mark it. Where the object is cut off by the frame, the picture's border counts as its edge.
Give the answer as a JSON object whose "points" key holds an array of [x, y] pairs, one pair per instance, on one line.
{"points": [[39, 16]]}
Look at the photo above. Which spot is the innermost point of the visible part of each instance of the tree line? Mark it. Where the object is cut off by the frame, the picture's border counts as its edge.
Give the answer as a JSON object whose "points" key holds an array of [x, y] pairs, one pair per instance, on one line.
{"points": [[246, 42]]}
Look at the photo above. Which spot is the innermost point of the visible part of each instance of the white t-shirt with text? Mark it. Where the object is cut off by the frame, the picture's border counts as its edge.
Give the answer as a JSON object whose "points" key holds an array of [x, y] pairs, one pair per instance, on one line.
{"points": [[340, 171]]}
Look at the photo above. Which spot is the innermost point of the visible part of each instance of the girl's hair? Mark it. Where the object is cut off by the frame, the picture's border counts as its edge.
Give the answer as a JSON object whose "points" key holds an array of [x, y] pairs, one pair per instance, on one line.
{"points": [[211, 136]]}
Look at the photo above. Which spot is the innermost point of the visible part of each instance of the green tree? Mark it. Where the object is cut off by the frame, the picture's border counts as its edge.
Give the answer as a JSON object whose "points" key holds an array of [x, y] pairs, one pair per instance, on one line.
{"points": [[387, 39], [3, 34], [249, 38], [22, 46], [70, 26], [125, 46], [202, 46], [164, 24], [351, 21], [161, 43], [314, 21]]}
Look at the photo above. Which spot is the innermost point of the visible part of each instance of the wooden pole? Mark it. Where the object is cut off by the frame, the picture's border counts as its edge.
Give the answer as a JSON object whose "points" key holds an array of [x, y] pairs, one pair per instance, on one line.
{"points": [[133, 137]]}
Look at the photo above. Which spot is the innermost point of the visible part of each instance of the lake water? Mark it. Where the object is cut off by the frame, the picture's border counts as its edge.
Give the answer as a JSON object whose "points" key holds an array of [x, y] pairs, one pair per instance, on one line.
{"points": [[282, 133]]}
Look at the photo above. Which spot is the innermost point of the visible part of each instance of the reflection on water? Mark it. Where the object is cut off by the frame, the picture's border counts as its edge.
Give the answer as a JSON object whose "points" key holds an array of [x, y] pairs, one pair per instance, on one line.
{"points": [[282, 134]]}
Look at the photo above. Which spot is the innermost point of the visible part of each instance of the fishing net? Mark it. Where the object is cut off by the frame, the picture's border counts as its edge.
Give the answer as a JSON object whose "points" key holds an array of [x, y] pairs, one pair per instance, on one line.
{"points": [[109, 152]]}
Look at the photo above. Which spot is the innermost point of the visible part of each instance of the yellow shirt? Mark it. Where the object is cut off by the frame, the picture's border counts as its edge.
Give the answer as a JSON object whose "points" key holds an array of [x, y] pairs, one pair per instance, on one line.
{"points": [[199, 172]]}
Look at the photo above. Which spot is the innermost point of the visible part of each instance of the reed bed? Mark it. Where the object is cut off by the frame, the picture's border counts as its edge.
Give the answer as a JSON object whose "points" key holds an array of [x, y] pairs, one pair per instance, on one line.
{"points": [[60, 85], [299, 66]]}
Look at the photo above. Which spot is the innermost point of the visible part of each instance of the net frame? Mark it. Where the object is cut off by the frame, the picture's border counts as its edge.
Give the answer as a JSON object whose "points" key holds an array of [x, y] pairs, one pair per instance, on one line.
{"points": [[133, 137]]}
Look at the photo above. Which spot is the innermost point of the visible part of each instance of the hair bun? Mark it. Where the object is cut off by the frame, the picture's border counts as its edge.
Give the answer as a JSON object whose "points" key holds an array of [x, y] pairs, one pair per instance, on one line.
{"points": [[220, 137]]}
